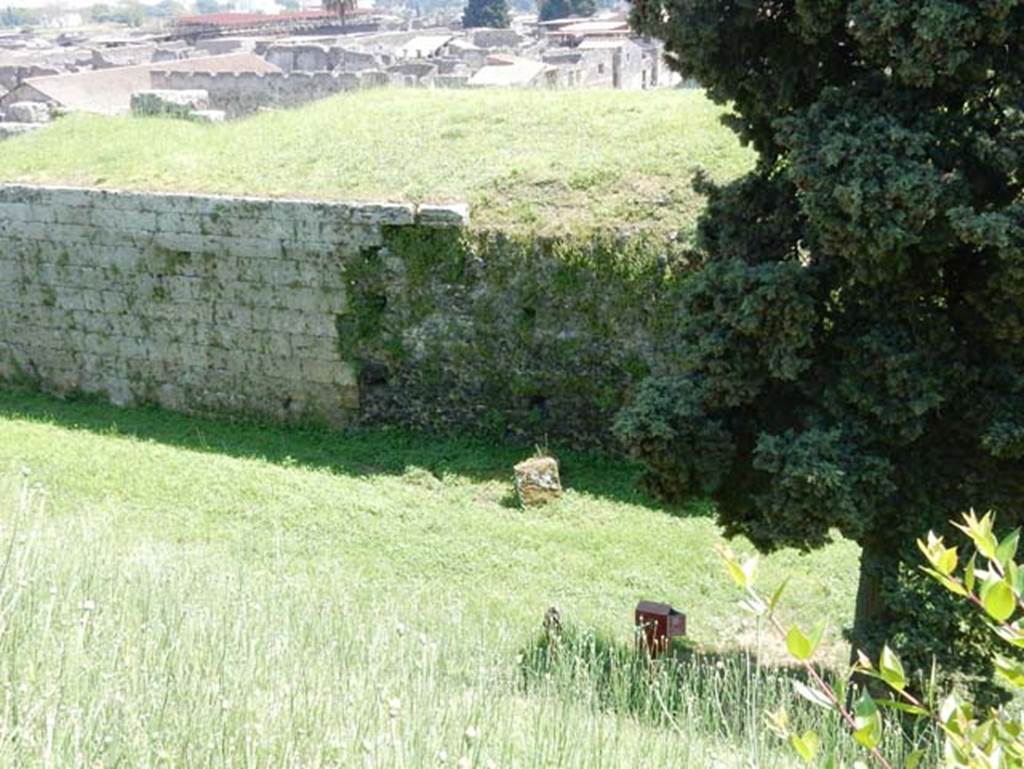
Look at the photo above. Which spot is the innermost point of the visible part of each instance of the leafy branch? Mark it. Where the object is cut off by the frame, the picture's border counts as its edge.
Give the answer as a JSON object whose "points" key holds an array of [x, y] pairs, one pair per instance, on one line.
{"points": [[993, 581]]}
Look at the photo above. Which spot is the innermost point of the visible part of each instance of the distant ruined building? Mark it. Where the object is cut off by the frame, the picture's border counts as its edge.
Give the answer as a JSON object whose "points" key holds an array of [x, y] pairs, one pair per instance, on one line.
{"points": [[235, 64]]}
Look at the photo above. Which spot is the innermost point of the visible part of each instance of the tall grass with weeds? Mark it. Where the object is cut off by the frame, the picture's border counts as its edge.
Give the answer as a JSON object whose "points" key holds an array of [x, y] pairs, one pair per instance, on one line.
{"points": [[159, 654], [723, 698]]}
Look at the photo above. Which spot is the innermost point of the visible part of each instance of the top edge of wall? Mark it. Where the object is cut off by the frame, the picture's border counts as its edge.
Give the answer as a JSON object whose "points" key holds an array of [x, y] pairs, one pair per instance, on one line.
{"points": [[383, 212]]}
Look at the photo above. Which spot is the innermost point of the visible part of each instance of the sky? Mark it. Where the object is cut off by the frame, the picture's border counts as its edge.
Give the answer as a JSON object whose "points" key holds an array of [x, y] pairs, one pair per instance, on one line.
{"points": [[77, 5], [67, 5]]}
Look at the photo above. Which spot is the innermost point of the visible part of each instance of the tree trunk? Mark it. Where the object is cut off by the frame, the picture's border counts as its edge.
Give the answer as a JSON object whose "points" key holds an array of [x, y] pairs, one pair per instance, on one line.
{"points": [[878, 560]]}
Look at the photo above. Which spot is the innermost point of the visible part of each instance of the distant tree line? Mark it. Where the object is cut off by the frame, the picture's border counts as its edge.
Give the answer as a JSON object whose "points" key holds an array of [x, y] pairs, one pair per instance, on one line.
{"points": [[129, 12], [341, 8], [212, 6], [560, 9], [495, 13], [486, 13], [19, 17], [132, 12]]}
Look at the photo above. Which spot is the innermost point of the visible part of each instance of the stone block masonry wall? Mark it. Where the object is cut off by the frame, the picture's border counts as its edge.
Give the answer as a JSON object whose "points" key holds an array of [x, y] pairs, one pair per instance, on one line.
{"points": [[243, 93], [300, 310], [531, 338], [201, 304]]}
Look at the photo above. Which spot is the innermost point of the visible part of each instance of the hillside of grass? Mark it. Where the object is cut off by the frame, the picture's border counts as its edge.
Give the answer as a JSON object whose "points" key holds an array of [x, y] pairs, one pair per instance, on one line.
{"points": [[535, 160], [185, 592]]}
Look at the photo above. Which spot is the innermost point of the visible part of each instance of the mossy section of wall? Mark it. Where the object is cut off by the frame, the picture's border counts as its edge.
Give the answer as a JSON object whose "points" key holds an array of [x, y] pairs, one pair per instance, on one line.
{"points": [[534, 339]]}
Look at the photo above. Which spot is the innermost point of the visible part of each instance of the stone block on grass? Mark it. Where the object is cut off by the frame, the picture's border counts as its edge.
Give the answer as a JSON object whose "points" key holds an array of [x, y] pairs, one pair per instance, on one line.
{"points": [[537, 481]]}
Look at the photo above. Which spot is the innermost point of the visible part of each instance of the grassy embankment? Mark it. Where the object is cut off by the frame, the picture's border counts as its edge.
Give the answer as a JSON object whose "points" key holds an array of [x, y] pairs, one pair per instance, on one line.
{"points": [[193, 593], [533, 160], [180, 592]]}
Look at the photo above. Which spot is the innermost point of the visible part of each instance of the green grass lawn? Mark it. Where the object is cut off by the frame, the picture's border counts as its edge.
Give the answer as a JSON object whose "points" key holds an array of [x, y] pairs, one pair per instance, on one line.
{"points": [[183, 592], [535, 160]]}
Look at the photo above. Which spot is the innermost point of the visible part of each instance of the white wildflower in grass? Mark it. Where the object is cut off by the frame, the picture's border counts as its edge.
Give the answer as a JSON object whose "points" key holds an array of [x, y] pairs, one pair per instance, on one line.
{"points": [[442, 756], [394, 707], [400, 629], [472, 734], [464, 763], [87, 605]]}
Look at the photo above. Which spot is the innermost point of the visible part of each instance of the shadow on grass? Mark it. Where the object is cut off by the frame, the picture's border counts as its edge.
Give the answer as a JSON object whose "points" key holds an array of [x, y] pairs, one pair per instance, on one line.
{"points": [[726, 692], [353, 452]]}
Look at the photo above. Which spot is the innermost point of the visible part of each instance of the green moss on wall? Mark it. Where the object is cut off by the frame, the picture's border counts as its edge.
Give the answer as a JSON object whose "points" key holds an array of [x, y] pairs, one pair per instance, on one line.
{"points": [[527, 337]]}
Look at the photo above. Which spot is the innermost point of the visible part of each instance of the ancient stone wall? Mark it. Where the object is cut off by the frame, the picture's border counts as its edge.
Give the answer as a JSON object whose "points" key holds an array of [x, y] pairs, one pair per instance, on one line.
{"points": [[299, 310], [303, 57], [201, 304], [11, 75], [526, 337], [632, 69], [243, 93]]}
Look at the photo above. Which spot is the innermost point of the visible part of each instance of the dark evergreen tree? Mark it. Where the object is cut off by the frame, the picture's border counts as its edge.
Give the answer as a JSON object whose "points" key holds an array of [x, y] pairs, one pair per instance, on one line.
{"points": [[851, 350], [486, 13], [584, 7], [341, 7], [560, 9], [547, 10]]}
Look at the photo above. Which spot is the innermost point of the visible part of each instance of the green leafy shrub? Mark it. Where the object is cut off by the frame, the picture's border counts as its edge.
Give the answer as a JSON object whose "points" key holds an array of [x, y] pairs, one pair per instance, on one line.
{"points": [[974, 736]]}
